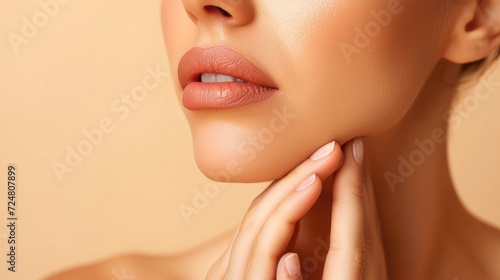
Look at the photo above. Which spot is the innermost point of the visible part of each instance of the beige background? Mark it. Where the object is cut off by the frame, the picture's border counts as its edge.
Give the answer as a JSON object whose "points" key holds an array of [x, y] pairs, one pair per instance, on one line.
{"points": [[125, 195]]}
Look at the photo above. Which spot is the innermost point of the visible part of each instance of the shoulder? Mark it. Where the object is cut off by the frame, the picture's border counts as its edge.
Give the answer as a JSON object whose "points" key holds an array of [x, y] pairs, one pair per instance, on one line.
{"points": [[131, 266], [140, 266]]}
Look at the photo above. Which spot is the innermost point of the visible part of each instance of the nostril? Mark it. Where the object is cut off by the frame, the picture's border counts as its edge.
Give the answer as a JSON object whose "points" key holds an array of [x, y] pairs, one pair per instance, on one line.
{"points": [[219, 10]]}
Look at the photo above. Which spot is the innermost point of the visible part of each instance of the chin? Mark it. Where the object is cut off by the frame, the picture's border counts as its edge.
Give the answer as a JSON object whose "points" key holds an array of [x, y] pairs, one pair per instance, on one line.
{"points": [[225, 167], [230, 170], [235, 154]]}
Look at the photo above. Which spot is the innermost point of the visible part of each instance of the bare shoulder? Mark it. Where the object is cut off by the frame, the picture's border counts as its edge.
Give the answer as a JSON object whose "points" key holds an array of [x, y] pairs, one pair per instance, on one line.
{"points": [[139, 266], [125, 267]]}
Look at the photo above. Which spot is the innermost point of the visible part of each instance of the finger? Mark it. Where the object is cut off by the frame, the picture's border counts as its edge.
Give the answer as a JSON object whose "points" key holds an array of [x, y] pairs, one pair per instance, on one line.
{"points": [[289, 267], [218, 269], [345, 259], [370, 234], [323, 162], [279, 227], [374, 267], [370, 203]]}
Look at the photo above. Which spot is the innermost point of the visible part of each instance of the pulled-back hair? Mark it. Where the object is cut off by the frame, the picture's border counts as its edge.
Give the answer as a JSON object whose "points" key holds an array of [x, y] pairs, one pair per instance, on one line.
{"points": [[477, 68]]}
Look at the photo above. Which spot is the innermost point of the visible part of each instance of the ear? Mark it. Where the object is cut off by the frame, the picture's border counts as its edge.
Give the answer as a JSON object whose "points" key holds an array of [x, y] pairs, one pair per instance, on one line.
{"points": [[476, 32]]}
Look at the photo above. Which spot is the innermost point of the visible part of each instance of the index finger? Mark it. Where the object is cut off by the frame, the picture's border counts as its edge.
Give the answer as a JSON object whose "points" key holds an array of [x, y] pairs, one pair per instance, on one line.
{"points": [[345, 259]]}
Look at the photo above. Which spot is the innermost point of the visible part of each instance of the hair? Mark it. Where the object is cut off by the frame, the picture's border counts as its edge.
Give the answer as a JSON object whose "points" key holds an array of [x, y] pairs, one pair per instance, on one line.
{"points": [[478, 68]]}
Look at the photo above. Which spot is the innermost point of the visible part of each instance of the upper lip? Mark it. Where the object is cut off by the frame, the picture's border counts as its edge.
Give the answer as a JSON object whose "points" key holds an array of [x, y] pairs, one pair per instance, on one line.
{"points": [[220, 60]]}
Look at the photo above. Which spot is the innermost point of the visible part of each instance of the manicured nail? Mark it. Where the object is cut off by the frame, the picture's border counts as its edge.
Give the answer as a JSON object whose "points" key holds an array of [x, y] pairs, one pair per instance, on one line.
{"points": [[292, 264], [358, 150], [323, 151], [307, 182]]}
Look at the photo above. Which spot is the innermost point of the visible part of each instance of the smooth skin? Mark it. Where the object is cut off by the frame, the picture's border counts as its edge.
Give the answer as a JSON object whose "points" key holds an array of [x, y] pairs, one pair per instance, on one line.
{"points": [[334, 80], [269, 224], [394, 92], [257, 249]]}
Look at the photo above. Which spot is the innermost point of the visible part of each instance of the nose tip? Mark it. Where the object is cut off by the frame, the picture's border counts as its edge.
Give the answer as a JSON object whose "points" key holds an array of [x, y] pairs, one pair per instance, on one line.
{"points": [[229, 12]]}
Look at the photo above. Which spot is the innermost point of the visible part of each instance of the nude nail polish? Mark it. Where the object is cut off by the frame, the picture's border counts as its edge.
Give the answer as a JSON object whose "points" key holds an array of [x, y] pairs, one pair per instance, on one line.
{"points": [[307, 182], [358, 150], [292, 264], [323, 151]]}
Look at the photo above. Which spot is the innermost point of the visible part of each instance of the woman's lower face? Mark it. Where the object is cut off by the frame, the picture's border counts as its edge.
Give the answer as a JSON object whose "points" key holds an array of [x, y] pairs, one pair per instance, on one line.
{"points": [[329, 70]]}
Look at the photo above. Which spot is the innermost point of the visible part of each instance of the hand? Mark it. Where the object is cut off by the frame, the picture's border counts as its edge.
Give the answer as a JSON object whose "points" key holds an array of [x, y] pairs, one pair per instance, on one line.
{"points": [[355, 250], [269, 223]]}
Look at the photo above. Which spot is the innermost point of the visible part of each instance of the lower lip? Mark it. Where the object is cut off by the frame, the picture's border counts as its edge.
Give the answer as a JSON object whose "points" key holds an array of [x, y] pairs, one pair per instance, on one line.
{"points": [[198, 96]]}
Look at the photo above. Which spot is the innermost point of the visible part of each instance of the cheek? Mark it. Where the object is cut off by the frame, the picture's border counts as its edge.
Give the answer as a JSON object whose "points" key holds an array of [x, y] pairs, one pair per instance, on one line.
{"points": [[364, 67], [326, 94]]}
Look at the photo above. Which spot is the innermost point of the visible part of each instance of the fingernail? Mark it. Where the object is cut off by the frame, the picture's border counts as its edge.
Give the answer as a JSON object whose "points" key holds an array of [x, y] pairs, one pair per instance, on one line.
{"points": [[307, 183], [323, 151], [292, 264], [358, 150]]}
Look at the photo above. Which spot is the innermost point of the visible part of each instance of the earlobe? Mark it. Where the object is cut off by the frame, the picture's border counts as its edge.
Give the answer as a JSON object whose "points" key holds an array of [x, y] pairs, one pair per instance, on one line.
{"points": [[476, 32]]}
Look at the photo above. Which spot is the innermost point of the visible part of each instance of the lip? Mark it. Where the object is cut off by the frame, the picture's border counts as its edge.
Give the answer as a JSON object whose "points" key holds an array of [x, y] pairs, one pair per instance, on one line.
{"points": [[222, 60]]}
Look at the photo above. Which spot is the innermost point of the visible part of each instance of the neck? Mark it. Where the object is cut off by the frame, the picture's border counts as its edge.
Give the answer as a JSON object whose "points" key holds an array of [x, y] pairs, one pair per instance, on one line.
{"points": [[426, 231], [418, 207]]}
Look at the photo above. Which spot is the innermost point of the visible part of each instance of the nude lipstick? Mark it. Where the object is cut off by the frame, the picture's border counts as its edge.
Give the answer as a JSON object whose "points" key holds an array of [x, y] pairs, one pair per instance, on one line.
{"points": [[221, 78]]}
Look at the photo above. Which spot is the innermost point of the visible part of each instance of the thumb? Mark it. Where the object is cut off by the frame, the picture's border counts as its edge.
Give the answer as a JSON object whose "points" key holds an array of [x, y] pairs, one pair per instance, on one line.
{"points": [[289, 267]]}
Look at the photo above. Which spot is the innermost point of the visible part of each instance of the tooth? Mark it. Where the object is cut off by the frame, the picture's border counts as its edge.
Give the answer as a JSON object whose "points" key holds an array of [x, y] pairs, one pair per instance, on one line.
{"points": [[208, 78], [225, 78], [219, 78]]}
